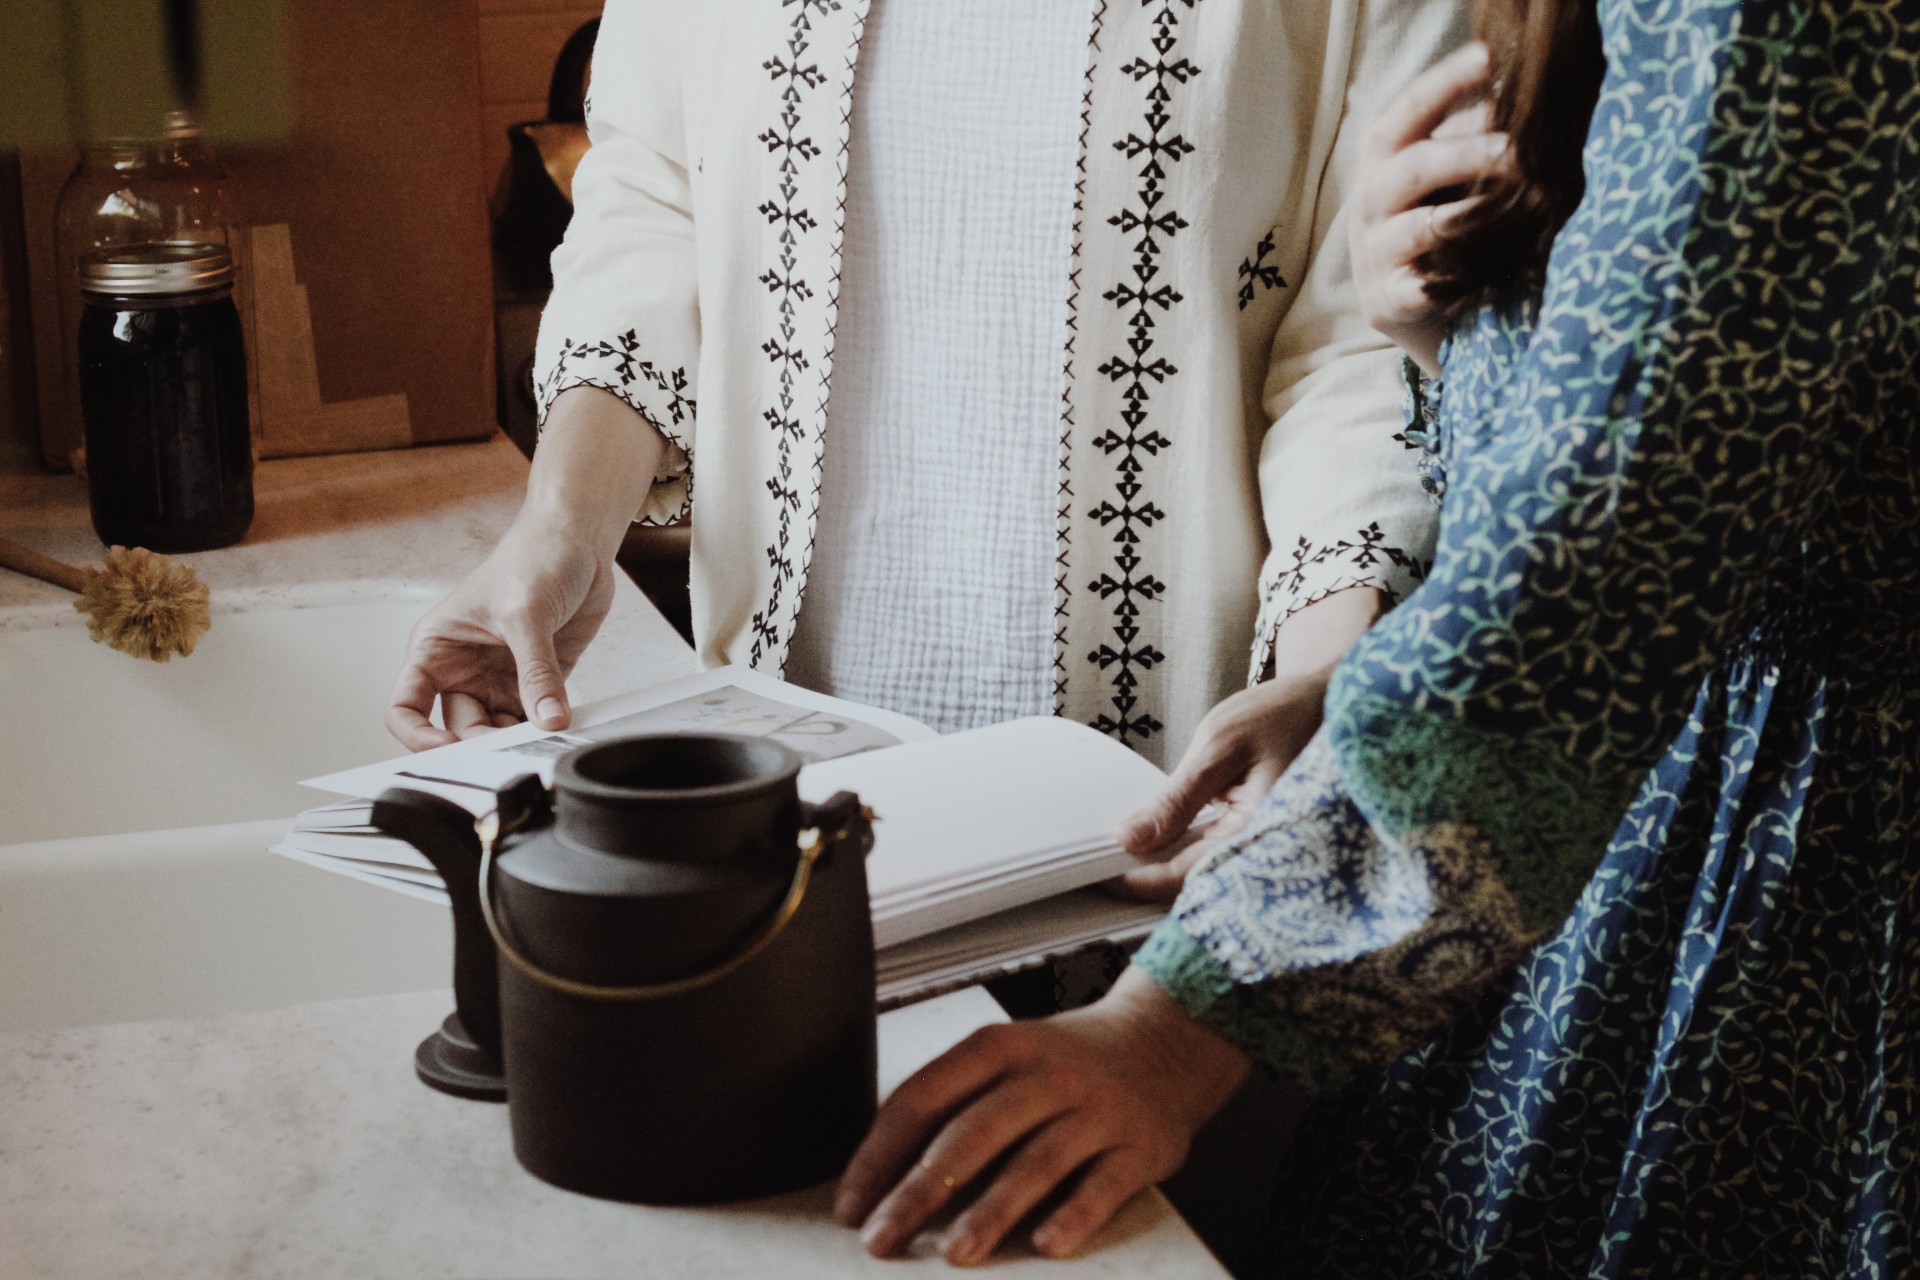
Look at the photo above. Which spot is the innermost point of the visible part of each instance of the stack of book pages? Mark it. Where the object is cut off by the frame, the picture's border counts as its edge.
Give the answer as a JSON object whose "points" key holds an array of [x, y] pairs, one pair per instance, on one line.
{"points": [[986, 844]]}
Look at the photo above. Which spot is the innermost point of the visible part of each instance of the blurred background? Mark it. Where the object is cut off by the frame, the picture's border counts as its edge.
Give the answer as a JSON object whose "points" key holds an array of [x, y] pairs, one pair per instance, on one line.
{"points": [[392, 179]]}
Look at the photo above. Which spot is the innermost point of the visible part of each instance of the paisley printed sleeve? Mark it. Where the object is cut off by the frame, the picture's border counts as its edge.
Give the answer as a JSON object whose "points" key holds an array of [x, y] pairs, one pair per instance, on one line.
{"points": [[624, 315], [1614, 506]]}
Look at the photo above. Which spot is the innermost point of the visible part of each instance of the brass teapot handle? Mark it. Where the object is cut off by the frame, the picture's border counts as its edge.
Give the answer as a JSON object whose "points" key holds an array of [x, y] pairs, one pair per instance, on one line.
{"points": [[854, 820]]}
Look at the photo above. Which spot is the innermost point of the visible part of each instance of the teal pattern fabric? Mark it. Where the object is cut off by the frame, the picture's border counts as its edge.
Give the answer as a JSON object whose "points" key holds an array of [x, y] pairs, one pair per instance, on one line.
{"points": [[1595, 908]]}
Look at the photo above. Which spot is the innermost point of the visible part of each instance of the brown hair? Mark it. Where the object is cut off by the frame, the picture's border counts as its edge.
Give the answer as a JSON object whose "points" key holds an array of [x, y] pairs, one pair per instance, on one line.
{"points": [[1547, 68]]}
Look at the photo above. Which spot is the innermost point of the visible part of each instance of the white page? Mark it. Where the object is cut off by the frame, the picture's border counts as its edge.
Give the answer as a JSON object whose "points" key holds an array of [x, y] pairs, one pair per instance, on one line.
{"points": [[1062, 924], [1102, 863], [968, 825], [999, 872], [724, 700], [433, 891], [1062, 919], [951, 807]]}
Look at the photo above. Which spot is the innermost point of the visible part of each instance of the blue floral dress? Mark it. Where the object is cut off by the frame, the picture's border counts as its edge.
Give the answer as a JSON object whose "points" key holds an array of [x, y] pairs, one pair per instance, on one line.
{"points": [[1594, 910]]}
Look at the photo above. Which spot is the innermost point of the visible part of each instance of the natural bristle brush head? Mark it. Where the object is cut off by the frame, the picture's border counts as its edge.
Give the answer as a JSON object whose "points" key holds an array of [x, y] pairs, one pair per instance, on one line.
{"points": [[145, 605]]}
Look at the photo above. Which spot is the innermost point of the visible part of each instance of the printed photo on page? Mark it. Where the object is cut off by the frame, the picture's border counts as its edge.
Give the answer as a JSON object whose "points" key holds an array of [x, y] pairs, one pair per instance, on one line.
{"points": [[724, 700]]}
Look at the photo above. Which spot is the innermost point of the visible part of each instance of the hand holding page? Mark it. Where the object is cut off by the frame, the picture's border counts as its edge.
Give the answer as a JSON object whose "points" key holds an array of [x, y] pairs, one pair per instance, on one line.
{"points": [[975, 823]]}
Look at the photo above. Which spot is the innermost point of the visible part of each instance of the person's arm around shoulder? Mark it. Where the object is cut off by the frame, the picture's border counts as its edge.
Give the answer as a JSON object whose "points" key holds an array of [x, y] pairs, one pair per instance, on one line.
{"points": [[1351, 527], [1339, 484]]}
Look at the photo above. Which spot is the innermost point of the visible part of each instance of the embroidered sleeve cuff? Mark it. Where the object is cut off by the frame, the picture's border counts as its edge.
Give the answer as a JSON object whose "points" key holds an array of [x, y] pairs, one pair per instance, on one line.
{"points": [[1309, 572], [663, 397], [1202, 986]]}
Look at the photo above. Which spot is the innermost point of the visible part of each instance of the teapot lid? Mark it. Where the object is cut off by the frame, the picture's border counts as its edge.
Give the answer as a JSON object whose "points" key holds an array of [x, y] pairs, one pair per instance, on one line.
{"points": [[682, 768], [671, 815]]}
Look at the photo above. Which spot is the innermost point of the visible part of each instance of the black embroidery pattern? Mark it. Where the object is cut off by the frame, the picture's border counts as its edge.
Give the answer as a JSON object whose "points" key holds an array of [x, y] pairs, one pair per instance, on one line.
{"points": [[836, 255], [797, 76], [1129, 584], [1367, 549], [1319, 570], [627, 366], [1063, 555], [1256, 273]]}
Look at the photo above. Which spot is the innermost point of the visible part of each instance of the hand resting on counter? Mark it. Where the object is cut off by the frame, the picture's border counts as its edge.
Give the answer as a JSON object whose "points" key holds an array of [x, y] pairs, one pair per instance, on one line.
{"points": [[1113, 1093]]}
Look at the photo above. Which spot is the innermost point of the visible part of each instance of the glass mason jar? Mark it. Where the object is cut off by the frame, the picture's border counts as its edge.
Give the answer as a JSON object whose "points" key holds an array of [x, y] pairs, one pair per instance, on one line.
{"points": [[163, 389], [142, 191]]}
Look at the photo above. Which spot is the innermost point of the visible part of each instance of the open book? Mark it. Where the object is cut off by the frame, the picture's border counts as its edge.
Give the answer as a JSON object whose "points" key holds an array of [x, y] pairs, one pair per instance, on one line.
{"points": [[985, 846]]}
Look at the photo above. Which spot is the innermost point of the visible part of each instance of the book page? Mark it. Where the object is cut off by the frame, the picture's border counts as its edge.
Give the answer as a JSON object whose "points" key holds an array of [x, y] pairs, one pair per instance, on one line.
{"points": [[967, 825], [962, 808], [724, 700]]}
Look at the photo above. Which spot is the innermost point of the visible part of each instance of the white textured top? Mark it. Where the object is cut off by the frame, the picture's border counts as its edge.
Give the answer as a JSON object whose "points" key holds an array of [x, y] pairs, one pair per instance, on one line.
{"points": [[931, 590]]}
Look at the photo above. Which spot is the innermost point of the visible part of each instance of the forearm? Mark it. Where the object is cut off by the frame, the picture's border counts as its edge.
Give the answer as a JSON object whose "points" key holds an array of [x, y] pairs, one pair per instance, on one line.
{"points": [[1311, 643], [595, 465], [1319, 947]]}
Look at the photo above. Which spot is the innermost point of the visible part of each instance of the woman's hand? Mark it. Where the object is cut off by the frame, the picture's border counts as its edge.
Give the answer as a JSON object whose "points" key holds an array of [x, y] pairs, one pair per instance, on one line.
{"points": [[1417, 150], [499, 648], [1108, 1096], [1245, 744], [1237, 754]]}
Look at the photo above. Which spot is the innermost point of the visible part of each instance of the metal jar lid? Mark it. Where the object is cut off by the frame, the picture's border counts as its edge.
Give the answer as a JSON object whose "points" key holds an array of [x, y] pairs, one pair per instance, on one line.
{"points": [[168, 269]]}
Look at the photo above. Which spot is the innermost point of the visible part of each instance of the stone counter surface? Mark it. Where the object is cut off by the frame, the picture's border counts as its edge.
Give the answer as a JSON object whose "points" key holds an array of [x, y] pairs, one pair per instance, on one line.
{"points": [[298, 1144]]}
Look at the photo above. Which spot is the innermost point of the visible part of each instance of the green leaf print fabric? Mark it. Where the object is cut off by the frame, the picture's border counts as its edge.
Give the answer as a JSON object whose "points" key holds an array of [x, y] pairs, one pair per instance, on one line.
{"points": [[1598, 886]]}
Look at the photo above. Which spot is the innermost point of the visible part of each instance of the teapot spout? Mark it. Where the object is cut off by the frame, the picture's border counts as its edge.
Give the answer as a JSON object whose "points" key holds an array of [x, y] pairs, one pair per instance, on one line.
{"points": [[467, 1065]]}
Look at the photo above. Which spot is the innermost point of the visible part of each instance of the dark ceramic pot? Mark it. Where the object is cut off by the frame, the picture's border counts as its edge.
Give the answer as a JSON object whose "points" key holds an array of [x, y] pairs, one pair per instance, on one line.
{"points": [[683, 1008]]}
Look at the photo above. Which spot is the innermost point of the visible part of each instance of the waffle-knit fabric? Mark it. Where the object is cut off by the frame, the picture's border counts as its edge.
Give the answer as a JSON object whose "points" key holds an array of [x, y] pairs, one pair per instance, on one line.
{"points": [[931, 590]]}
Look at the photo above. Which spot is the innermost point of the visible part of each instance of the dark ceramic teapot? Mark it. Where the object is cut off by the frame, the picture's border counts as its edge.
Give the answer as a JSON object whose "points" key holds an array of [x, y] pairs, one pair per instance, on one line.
{"points": [[664, 965]]}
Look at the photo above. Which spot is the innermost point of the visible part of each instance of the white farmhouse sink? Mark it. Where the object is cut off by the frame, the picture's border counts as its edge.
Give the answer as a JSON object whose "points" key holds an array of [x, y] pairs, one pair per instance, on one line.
{"points": [[95, 743], [137, 801], [106, 916], [197, 922]]}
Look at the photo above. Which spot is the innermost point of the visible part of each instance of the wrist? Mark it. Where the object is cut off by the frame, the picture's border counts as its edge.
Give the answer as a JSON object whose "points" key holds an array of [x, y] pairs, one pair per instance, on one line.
{"points": [[550, 519], [1203, 1066]]}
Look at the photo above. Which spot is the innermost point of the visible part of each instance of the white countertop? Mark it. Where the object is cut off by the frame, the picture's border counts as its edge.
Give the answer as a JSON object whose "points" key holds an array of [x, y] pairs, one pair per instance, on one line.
{"points": [[342, 529], [419, 515], [296, 1142], [337, 529], [299, 1144]]}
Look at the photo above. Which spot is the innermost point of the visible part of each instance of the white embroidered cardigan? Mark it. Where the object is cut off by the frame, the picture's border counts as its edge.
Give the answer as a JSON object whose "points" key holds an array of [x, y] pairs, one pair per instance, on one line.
{"points": [[1222, 394]]}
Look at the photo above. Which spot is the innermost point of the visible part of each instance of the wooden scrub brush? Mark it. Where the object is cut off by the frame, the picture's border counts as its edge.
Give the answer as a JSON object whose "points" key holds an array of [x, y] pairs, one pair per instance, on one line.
{"points": [[144, 605]]}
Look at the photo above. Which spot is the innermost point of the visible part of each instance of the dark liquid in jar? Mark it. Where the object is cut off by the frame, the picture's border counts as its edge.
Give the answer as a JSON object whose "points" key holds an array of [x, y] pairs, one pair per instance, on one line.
{"points": [[169, 442]]}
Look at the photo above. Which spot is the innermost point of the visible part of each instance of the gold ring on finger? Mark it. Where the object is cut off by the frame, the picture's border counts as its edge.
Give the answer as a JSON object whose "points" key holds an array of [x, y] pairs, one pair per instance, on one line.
{"points": [[946, 1179]]}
